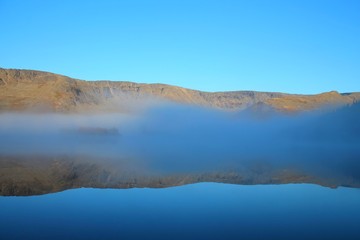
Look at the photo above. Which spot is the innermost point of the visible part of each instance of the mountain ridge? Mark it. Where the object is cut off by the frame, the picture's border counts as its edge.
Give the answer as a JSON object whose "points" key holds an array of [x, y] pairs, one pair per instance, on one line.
{"points": [[30, 89]]}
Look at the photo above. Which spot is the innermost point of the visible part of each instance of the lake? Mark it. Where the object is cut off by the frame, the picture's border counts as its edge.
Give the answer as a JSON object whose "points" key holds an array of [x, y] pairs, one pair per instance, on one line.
{"points": [[197, 211]]}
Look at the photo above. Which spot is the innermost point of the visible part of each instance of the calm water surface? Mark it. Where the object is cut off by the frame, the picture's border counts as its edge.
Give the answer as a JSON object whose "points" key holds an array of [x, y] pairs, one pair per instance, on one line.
{"points": [[198, 211]]}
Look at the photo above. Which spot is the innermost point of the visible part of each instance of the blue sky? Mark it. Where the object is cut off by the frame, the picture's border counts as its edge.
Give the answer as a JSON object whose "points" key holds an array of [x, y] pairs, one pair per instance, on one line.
{"points": [[298, 46]]}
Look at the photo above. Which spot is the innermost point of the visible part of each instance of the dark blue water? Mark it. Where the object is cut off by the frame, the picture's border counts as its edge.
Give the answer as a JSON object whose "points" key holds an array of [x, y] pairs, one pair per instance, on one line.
{"points": [[199, 211]]}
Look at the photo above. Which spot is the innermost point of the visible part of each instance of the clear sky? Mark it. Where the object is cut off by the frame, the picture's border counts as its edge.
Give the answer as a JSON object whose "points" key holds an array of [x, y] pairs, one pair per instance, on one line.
{"points": [[296, 46]]}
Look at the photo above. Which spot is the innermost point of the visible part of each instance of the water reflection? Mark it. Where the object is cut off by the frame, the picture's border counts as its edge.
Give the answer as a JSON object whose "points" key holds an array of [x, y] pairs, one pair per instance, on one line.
{"points": [[198, 211]]}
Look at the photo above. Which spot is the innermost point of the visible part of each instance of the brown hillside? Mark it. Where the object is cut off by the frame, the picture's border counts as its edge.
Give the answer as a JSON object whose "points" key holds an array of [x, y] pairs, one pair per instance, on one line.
{"points": [[36, 90]]}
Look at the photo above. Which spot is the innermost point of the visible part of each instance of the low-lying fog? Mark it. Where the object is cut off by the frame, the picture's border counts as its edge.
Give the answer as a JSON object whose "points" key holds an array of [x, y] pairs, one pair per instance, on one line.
{"points": [[182, 138]]}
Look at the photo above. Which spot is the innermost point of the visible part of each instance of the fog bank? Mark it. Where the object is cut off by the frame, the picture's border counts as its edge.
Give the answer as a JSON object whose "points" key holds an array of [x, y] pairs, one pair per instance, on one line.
{"points": [[172, 138]]}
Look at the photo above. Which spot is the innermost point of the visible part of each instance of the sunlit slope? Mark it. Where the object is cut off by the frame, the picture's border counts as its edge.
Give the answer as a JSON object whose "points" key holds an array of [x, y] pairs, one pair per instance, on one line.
{"points": [[43, 91]]}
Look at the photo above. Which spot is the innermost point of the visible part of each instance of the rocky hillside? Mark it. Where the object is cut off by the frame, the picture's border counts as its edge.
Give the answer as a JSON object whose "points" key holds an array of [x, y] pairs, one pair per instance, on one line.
{"points": [[36, 90]]}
